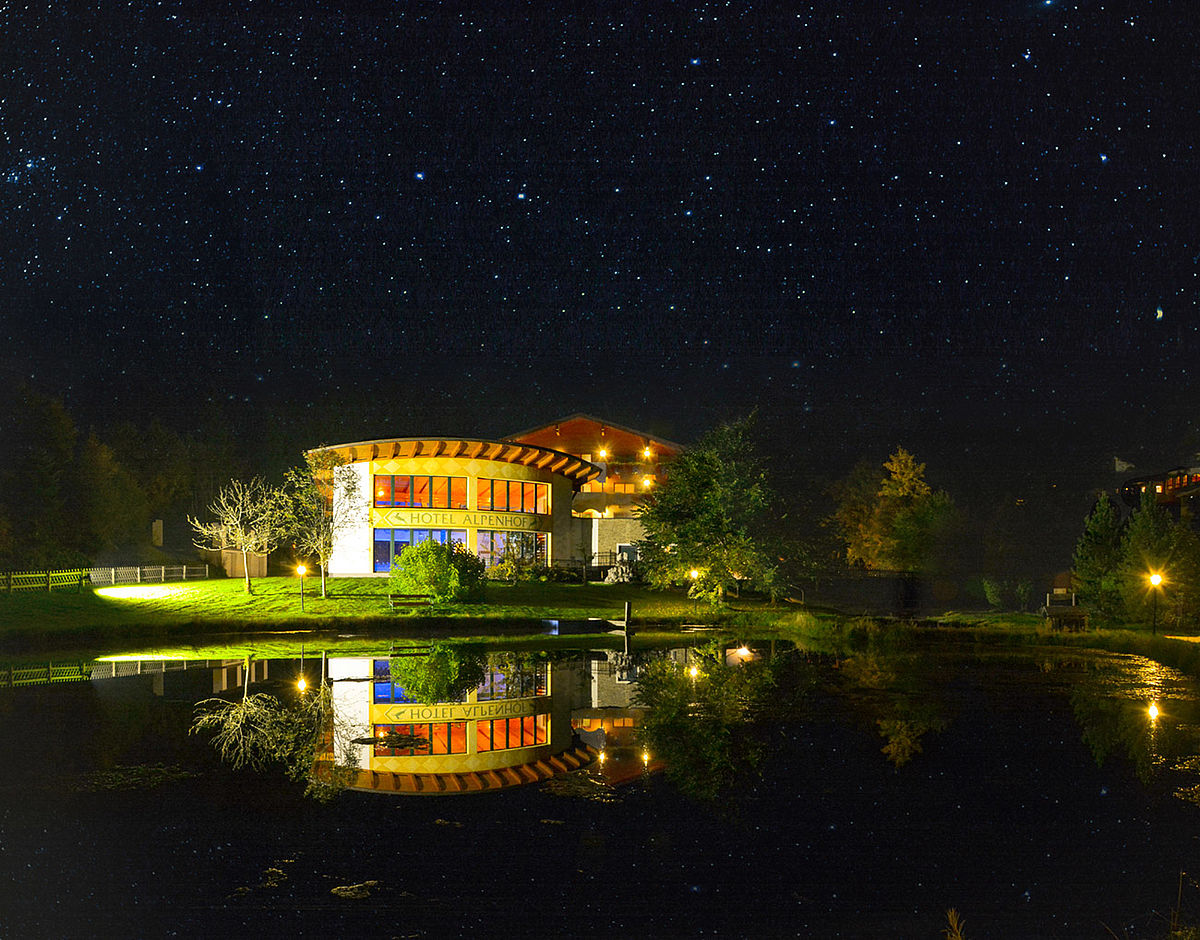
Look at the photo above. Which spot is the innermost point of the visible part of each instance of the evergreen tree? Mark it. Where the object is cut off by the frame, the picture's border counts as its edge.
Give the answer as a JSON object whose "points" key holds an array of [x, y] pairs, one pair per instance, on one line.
{"points": [[1147, 547], [1099, 561]]}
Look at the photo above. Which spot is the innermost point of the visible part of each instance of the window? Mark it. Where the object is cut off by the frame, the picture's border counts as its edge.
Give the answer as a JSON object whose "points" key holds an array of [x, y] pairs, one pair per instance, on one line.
{"points": [[522, 682], [493, 546], [503, 733], [391, 542], [438, 737], [421, 492], [383, 688], [513, 496]]}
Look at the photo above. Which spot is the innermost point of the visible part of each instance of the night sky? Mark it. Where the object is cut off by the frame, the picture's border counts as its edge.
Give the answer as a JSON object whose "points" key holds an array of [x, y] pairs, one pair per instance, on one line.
{"points": [[968, 228]]}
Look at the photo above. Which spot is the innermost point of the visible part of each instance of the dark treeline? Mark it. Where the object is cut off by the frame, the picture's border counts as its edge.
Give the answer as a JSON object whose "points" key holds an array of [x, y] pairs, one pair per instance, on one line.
{"points": [[70, 494]]}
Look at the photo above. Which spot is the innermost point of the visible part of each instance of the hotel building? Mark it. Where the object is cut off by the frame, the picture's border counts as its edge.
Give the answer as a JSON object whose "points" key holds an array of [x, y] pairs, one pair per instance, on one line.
{"points": [[562, 492]]}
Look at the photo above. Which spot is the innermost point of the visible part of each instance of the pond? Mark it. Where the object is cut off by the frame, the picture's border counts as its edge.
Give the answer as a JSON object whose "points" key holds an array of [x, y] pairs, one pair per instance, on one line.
{"points": [[859, 795]]}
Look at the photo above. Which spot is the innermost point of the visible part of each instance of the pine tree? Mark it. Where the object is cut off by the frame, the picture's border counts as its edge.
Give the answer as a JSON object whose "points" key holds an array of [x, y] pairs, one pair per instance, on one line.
{"points": [[1099, 561], [1148, 548]]}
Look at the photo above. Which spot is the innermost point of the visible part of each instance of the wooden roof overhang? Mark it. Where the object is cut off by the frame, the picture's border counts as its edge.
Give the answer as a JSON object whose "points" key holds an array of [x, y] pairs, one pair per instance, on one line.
{"points": [[575, 469]]}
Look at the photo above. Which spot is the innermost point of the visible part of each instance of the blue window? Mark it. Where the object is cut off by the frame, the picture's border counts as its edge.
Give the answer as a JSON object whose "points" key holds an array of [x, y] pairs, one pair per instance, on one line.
{"points": [[391, 542]]}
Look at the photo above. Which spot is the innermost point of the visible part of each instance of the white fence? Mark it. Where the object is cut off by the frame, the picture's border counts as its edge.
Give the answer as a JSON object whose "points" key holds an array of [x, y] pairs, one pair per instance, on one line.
{"points": [[77, 577], [48, 673], [138, 575]]}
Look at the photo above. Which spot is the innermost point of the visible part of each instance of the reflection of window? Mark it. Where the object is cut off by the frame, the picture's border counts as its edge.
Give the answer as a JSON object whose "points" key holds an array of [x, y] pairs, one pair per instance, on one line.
{"points": [[504, 733], [421, 492], [493, 546], [513, 496], [439, 737], [384, 690], [391, 542], [521, 682]]}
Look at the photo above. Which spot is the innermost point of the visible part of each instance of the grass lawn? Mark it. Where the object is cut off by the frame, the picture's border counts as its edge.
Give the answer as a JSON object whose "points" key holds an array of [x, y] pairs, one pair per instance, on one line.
{"points": [[183, 611]]}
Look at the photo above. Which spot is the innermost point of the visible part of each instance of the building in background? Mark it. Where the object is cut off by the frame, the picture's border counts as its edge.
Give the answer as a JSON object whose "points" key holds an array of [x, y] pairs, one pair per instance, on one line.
{"points": [[631, 464]]}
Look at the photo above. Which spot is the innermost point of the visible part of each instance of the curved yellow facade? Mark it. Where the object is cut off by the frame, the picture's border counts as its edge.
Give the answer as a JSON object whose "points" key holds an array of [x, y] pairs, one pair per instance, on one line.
{"points": [[495, 497]]}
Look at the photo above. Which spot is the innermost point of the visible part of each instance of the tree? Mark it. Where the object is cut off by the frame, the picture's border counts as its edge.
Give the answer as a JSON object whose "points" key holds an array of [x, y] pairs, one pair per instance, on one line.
{"points": [[1098, 561], [1147, 546], [259, 732], [114, 507], [324, 501], [702, 725], [704, 525], [446, 572], [250, 518], [895, 521], [444, 675]]}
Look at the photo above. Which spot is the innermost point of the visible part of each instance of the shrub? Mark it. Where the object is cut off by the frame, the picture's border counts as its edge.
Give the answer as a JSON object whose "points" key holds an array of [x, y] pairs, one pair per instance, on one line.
{"points": [[1008, 595], [446, 674], [447, 573]]}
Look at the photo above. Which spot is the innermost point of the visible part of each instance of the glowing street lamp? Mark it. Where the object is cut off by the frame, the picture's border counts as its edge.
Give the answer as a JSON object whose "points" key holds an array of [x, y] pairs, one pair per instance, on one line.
{"points": [[300, 570], [1156, 581]]}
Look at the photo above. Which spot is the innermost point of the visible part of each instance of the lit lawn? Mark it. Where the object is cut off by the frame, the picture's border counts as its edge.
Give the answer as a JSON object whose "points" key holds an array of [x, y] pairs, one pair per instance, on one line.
{"points": [[202, 608]]}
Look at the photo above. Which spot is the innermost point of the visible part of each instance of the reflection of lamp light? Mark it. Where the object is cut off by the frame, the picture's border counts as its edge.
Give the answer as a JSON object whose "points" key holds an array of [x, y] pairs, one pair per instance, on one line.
{"points": [[647, 453], [1153, 712], [302, 684], [693, 671], [300, 570], [645, 757], [603, 757], [693, 574]]}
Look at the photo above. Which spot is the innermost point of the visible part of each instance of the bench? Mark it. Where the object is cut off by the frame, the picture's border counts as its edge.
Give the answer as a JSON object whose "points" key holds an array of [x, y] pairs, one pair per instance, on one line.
{"points": [[409, 600]]}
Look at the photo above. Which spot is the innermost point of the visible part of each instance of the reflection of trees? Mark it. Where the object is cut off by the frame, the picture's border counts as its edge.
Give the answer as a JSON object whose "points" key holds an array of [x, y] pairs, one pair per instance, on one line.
{"points": [[445, 674], [898, 695], [259, 732], [1119, 726], [703, 727]]}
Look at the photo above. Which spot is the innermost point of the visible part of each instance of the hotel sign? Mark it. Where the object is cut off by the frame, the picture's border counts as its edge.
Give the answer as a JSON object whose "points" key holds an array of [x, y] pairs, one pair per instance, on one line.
{"points": [[476, 711], [461, 519]]}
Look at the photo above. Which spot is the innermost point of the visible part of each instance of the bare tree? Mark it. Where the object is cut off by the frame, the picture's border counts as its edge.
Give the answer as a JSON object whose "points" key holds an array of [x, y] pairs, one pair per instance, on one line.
{"points": [[324, 500], [248, 517]]}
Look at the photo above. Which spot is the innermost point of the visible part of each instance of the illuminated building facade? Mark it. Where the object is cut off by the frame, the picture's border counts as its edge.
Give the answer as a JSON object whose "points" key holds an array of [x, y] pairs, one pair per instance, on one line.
{"points": [[631, 464], [1175, 490], [563, 492], [492, 496]]}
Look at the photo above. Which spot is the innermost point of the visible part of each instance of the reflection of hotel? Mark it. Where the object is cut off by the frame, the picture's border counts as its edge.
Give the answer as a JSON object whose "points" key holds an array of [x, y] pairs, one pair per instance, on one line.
{"points": [[512, 729], [555, 493]]}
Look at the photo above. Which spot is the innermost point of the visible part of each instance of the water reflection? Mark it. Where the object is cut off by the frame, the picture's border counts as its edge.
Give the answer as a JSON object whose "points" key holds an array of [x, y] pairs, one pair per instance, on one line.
{"points": [[871, 790], [1146, 713], [901, 694], [457, 718]]}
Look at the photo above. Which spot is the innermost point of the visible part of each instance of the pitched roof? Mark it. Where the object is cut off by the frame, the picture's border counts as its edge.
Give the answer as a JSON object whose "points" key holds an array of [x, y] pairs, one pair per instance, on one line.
{"points": [[584, 434]]}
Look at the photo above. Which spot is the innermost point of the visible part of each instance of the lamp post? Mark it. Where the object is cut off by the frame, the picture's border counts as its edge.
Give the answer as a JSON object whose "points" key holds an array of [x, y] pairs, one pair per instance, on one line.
{"points": [[1156, 581], [300, 570]]}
